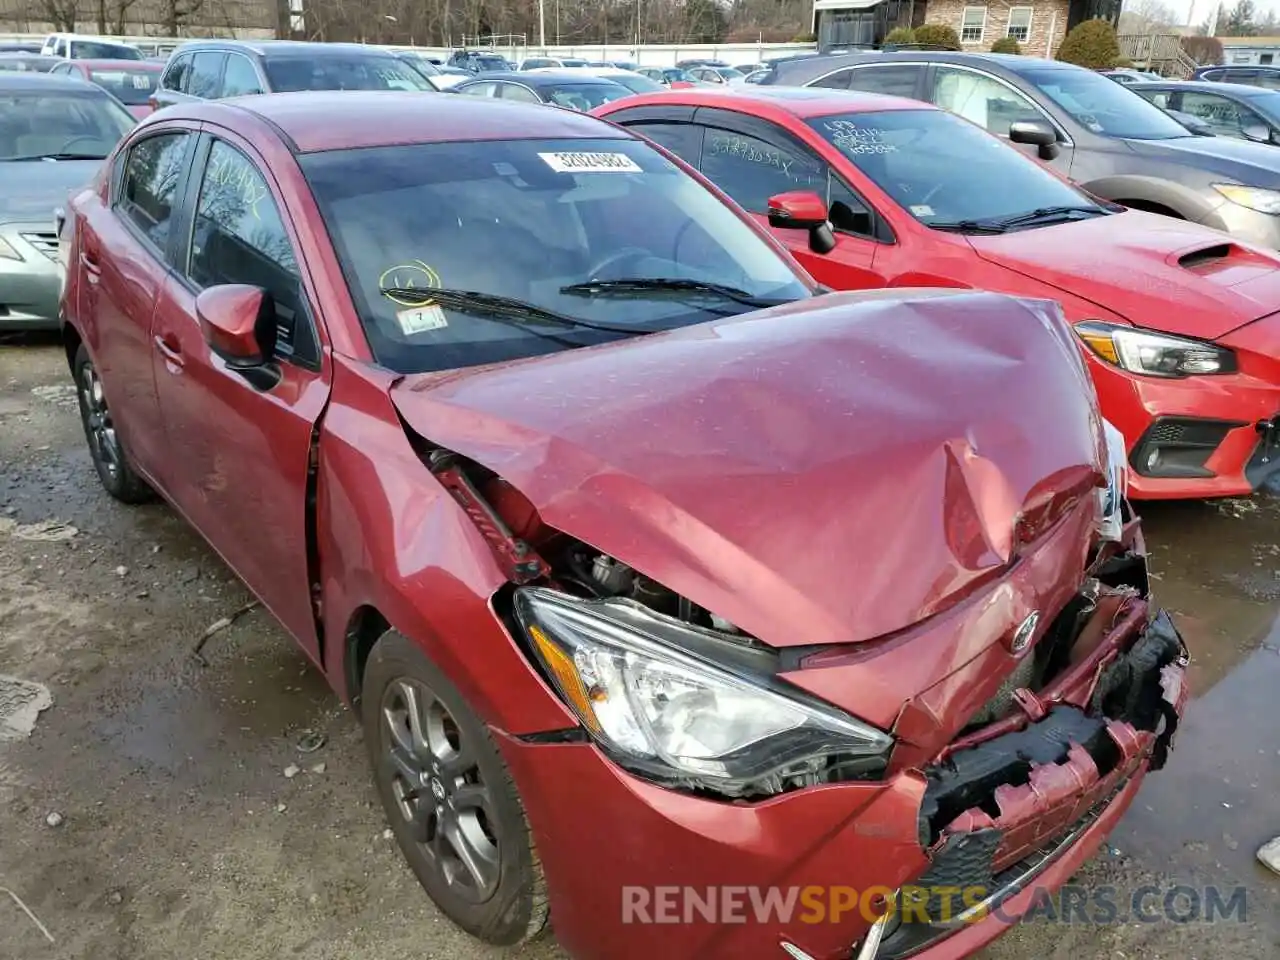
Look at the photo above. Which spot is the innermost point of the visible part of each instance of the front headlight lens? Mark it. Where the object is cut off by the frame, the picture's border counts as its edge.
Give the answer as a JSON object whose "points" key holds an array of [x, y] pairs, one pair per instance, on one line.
{"points": [[1255, 198], [1154, 354], [673, 713]]}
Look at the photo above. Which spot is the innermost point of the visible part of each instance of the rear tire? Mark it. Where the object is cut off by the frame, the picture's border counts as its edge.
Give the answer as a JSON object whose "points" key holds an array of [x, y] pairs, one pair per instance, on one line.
{"points": [[449, 797], [106, 447]]}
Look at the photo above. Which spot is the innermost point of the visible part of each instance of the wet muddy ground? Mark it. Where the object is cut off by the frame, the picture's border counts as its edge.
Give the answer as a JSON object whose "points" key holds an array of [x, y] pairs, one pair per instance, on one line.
{"points": [[179, 834]]}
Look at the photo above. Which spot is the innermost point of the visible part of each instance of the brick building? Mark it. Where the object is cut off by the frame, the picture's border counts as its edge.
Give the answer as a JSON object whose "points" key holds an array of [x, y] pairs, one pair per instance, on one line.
{"points": [[1039, 25]]}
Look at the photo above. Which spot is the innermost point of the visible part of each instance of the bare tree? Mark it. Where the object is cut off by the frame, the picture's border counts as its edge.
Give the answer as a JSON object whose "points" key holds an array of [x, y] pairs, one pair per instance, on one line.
{"points": [[178, 13], [63, 14]]}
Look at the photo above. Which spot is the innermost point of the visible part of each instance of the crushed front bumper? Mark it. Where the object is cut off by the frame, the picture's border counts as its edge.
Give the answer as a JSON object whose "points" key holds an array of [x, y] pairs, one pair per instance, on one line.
{"points": [[979, 816]]}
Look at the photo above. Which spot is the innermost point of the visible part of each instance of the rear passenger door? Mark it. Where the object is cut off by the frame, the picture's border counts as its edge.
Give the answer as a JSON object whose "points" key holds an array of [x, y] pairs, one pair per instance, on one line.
{"points": [[240, 441]]}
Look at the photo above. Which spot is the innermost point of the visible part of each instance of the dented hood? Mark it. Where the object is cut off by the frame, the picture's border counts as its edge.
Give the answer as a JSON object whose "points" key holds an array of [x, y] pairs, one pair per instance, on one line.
{"points": [[832, 470], [1159, 273]]}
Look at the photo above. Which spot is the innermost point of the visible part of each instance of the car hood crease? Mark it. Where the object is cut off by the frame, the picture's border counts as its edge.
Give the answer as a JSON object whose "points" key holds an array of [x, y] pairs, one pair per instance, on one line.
{"points": [[831, 470]]}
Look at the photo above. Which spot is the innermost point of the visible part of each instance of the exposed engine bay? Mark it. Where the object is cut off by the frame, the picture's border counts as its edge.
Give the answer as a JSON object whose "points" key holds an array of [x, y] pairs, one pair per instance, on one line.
{"points": [[1103, 628]]}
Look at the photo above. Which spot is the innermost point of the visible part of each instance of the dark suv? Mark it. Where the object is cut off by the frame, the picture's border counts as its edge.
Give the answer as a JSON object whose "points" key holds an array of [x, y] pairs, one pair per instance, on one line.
{"points": [[213, 69], [1096, 131]]}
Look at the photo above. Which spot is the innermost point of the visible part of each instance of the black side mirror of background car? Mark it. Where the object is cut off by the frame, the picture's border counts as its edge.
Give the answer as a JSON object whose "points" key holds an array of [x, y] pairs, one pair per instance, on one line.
{"points": [[1036, 133]]}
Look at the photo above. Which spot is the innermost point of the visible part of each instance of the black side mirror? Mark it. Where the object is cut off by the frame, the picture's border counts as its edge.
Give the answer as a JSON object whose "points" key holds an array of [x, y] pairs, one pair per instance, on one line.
{"points": [[1036, 133]]}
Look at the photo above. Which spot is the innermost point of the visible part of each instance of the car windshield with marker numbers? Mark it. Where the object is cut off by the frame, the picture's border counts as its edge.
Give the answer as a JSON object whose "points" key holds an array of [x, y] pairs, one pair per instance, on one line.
{"points": [[1103, 106], [60, 125], [290, 74], [533, 246], [949, 173]]}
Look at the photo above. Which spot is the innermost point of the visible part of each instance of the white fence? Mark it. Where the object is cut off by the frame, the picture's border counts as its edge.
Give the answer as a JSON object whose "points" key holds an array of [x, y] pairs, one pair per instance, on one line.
{"points": [[648, 54]]}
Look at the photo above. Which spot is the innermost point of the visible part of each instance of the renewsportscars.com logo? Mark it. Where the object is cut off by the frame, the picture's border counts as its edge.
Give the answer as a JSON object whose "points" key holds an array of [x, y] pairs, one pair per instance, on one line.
{"points": [[1071, 903]]}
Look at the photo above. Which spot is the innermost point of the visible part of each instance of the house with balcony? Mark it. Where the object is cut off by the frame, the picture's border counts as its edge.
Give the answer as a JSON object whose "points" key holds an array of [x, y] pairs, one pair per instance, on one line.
{"points": [[1039, 25]]}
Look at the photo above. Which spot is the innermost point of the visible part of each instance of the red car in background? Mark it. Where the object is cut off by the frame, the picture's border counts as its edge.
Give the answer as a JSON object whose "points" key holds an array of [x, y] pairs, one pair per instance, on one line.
{"points": [[1181, 323], [640, 563], [130, 81]]}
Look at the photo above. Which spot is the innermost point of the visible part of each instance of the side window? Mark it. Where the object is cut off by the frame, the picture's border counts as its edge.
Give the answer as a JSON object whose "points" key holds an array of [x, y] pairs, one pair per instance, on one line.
{"points": [[60, 48], [682, 139], [1225, 117], [751, 171], [206, 72], [63, 68], [835, 81], [982, 100], [239, 79], [514, 91], [1161, 98], [175, 75], [1239, 76], [149, 185], [239, 237], [485, 89], [897, 79]]}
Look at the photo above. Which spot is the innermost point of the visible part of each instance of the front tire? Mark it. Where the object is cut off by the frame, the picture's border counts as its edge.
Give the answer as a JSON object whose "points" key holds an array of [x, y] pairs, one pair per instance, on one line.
{"points": [[449, 797], [110, 459]]}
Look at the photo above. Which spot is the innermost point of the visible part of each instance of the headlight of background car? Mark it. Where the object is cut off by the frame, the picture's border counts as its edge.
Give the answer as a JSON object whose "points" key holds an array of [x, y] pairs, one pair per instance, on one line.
{"points": [[1111, 499], [1255, 198], [676, 715], [1154, 354]]}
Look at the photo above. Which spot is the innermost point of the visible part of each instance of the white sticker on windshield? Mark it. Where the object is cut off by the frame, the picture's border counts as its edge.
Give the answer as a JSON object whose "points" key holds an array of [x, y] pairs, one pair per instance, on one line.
{"points": [[590, 163], [421, 319], [922, 210]]}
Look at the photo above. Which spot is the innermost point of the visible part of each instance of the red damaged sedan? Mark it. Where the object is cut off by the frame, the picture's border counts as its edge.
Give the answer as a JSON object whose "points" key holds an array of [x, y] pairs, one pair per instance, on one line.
{"points": [[642, 565], [1181, 323]]}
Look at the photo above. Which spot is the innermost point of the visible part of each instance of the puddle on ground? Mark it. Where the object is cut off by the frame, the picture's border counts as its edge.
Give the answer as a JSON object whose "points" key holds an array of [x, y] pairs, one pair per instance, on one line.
{"points": [[1218, 801]]}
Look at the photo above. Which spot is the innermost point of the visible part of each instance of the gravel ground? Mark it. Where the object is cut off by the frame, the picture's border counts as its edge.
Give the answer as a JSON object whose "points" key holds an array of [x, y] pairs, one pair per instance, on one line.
{"points": [[177, 829]]}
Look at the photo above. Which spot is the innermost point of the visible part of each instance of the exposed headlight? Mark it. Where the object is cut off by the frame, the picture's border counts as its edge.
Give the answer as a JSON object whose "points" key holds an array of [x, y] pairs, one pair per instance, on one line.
{"points": [[1154, 354], [1111, 499], [1255, 198], [675, 714], [7, 252]]}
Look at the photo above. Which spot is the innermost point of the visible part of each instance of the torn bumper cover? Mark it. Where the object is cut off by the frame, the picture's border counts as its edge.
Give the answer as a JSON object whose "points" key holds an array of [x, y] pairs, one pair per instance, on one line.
{"points": [[997, 813]]}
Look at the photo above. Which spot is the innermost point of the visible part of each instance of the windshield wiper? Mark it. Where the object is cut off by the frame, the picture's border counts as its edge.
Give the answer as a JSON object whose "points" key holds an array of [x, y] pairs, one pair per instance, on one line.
{"points": [[493, 305], [966, 226], [1048, 213], [647, 285], [61, 156]]}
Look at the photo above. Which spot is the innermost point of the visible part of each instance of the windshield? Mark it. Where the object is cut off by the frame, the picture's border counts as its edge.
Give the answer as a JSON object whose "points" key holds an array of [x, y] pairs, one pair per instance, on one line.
{"points": [[424, 65], [92, 50], [729, 73], [583, 97], [129, 86], [291, 74], [492, 64], [524, 219], [943, 169], [1103, 106], [35, 125]]}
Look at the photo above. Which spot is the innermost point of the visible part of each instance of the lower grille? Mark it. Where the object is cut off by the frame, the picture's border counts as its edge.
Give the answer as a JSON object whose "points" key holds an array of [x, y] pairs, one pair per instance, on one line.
{"points": [[1179, 447]]}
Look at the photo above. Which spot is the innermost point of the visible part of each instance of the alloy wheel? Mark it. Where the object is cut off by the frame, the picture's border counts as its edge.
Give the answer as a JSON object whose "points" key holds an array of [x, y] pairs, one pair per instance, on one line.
{"points": [[98, 423], [440, 790]]}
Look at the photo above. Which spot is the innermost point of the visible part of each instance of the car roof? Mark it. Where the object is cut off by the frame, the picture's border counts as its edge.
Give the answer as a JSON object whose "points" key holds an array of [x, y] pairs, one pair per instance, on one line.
{"points": [[545, 78], [21, 81], [805, 68], [152, 65], [1206, 86], [283, 48], [351, 119], [801, 102]]}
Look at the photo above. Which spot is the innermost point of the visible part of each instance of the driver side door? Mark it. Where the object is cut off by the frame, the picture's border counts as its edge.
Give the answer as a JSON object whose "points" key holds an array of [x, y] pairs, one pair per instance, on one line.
{"points": [[240, 451]]}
